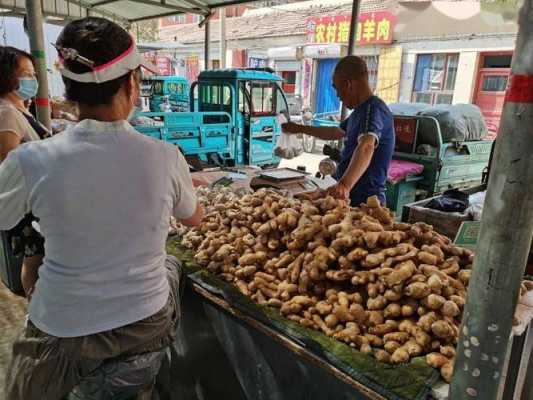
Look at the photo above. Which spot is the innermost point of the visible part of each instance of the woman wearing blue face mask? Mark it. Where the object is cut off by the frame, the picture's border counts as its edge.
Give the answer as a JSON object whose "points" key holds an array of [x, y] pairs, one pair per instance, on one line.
{"points": [[18, 85]]}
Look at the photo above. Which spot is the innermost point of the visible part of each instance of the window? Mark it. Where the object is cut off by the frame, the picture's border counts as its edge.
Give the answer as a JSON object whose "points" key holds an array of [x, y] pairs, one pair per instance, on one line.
{"points": [[435, 78], [266, 98], [372, 63], [289, 81], [215, 95], [175, 88], [497, 61], [494, 83], [157, 88]]}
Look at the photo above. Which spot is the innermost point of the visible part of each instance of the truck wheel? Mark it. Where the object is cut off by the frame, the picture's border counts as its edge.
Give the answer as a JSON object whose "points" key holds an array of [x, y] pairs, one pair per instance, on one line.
{"points": [[308, 143]]}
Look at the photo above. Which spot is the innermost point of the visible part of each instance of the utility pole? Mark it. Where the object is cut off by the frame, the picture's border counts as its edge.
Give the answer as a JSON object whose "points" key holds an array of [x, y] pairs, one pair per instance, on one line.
{"points": [[34, 20], [351, 42], [505, 236], [222, 38], [207, 44]]}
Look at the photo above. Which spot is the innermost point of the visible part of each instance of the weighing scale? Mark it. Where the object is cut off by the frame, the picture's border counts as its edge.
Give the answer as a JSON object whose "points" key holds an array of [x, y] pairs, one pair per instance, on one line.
{"points": [[289, 180]]}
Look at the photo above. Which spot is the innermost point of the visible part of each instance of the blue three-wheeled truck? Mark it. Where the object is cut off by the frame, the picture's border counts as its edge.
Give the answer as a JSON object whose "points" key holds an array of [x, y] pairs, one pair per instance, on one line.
{"points": [[233, 119]]}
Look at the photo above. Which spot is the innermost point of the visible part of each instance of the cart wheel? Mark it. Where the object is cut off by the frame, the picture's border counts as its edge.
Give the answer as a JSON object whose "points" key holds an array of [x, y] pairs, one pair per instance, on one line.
{"points": [[308, 143]]}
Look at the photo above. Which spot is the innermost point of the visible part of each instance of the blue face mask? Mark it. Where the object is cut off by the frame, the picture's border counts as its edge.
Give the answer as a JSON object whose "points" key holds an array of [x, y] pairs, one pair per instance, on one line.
{"points": [[27, 88]]}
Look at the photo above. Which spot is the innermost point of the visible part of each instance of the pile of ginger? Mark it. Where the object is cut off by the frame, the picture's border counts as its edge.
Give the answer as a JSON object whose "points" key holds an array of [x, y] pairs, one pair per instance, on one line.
{"points": [[393, 290]]}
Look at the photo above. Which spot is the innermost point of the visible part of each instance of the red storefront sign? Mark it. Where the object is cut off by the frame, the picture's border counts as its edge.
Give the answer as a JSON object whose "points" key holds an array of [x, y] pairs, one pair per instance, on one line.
{"points": [[163, 65], [372, 28]]}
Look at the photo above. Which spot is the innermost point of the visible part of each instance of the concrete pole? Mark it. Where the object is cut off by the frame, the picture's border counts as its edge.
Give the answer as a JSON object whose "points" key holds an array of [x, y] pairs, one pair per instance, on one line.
{"points": [[505, 236], [222, 38], [351, 42], [207, 44], [34, 17]]}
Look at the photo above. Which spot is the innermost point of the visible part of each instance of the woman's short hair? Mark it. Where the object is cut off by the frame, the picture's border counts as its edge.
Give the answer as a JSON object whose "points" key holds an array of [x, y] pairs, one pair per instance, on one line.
{"points": [[9, 62], [100, 41]]}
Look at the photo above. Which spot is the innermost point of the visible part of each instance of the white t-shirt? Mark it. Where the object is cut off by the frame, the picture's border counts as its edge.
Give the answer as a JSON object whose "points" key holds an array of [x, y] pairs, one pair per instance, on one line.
{"points": [[104, 195], [12, 120]]}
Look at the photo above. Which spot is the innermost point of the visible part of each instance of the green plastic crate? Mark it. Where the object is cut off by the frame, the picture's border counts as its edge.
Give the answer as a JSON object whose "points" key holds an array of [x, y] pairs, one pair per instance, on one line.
{"points": [[401, 193]]}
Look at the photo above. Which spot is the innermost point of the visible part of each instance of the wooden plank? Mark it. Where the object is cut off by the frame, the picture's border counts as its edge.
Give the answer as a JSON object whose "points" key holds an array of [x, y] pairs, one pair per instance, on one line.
{"points": [[288, 343]]}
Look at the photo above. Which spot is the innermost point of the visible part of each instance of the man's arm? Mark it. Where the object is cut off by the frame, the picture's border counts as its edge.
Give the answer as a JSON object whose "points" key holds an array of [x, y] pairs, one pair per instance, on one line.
{"points": [[360, 161], [320, 132], [361, 158]]}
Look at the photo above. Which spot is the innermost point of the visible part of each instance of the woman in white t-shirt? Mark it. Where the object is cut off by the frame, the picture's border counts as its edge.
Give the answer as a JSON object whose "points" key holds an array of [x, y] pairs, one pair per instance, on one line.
{"points": [[18, 85]]}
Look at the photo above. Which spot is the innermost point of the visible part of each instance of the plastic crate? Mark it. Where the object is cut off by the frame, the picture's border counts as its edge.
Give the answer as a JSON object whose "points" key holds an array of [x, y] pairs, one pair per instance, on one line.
{"points": [[10, 265], [401, 193]]}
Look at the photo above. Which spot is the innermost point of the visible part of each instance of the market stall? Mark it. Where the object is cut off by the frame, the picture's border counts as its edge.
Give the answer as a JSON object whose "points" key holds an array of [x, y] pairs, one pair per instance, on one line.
{"points": [[257, 335]]}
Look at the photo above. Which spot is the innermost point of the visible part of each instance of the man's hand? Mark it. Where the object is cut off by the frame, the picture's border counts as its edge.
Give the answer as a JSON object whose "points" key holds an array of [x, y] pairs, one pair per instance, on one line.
{"points": [[340, 191], [291, 127]]}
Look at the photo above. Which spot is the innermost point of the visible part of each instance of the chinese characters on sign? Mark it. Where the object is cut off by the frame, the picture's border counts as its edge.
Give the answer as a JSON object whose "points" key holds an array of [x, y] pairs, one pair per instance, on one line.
{"points": [[372, 28]]}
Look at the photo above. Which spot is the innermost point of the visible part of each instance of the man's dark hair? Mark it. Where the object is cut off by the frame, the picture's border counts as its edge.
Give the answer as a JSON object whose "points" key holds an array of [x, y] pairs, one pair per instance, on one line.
{"points": [[100, 41], [9, 62], [351, 67]]}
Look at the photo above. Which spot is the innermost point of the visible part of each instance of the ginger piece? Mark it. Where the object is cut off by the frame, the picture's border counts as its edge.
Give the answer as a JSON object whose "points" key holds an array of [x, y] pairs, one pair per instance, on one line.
{"points": [[331, 320], [417, 290], [243, 287], [442, 329], [252, 258], [427, 258], [413, 348], [446, 371], [433, 301], [393, 310], [400, 337], [402, 272], [371, 239], [425, 321], [274, 303], [342, 312], [340, 275], [408, 325], [382, 329], [400, 356], [435, 283], [422, 338], [391, 295], [357, 254], [374, 318], [322, 325], [447, 351], [358, 312], [374, 340], [464, 276], [377, 303], [436, 360], [323, 308], [450, 309], [391, 346], [382, 356], [290, 308], [348, 334]]}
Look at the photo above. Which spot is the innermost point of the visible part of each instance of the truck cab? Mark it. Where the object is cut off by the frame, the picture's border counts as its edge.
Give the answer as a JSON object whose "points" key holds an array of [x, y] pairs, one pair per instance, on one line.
{"points": [[171, 91], [254, 99]]}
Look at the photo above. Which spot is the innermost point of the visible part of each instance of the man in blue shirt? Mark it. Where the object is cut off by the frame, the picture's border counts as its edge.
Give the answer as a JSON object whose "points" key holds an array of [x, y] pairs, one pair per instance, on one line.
{"points": [[368, 135]]}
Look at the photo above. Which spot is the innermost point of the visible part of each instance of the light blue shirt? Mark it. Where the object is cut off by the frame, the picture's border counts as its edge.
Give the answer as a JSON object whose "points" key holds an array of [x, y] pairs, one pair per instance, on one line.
{"points": [[104, 195]]}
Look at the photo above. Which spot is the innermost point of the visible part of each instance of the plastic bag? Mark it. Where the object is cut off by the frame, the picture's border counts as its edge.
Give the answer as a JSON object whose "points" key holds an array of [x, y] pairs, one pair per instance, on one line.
{"points": [[288, 145]]}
